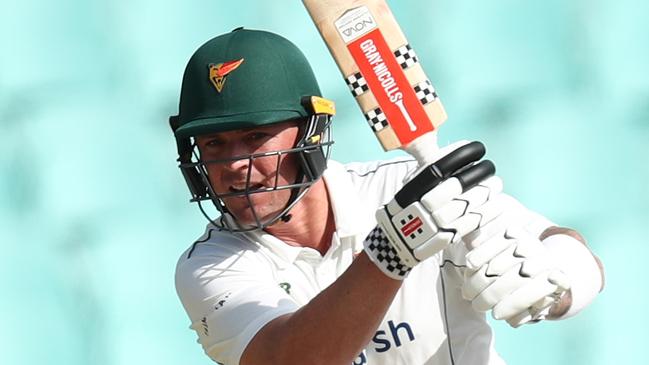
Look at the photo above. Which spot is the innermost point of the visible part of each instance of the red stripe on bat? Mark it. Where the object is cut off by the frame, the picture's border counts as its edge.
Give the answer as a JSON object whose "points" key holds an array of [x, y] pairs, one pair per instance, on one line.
{"points": [[390, 87], [411, 226]]}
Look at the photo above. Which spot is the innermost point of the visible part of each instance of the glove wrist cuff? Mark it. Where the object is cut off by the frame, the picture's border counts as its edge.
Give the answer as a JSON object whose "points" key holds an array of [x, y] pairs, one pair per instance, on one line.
{"points": [[579, 264], [384, 256]]}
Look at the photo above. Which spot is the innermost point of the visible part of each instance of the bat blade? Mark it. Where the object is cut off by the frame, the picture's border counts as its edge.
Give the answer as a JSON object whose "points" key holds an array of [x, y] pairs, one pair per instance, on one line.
{"points": [[382, 72]]}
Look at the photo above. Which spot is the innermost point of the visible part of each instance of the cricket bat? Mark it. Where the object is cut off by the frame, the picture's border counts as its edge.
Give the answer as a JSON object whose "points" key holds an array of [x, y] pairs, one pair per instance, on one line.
{"points": [[403, 109], [383, 73]]}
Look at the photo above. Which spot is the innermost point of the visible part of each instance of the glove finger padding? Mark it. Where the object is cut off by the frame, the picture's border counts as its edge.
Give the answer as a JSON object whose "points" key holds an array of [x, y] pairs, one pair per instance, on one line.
{"points": [[536, 312], [454, 208], [525, 246], [487, 251], [539, 290], [408, 227], [503, 285], [500, 213], [420, 236], [477, 282], [515, 275], [492, 209], [458, 212], [500, 288]]}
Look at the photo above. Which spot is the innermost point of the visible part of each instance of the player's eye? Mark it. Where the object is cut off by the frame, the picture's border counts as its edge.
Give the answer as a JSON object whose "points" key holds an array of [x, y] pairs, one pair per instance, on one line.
{"points": [[214, 142], [257, 136]]}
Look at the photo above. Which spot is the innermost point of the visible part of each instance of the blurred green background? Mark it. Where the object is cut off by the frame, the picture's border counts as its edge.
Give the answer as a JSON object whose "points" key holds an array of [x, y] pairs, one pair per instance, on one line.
{"points": [[94, 212]]}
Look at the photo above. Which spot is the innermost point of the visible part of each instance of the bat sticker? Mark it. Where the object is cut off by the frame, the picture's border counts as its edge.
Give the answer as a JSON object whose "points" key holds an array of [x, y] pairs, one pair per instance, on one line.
{"points": [[384, 75]]}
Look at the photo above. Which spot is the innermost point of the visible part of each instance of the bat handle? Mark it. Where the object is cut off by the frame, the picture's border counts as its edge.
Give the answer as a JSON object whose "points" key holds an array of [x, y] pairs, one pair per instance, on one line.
{"points": [[424, 148]]}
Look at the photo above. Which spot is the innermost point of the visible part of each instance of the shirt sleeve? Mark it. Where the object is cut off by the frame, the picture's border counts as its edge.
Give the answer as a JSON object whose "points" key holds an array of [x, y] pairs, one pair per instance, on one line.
{"points": [[229, 295]]}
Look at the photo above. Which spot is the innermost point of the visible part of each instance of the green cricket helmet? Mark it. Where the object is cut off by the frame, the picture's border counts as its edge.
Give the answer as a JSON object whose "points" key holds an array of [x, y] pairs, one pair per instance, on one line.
{"points": [[242, 79], [246, 79]]}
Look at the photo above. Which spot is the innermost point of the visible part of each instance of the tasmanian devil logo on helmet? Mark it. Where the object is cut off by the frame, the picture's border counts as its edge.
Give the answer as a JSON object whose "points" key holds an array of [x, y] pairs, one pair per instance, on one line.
{"points": [[219, 71]]}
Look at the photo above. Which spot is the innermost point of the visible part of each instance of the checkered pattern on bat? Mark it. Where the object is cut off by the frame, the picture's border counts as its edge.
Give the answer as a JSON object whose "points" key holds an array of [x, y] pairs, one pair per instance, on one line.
{"points": [[380, 248], [425, 92], [357, 84], [406, 56], [376, 118]]}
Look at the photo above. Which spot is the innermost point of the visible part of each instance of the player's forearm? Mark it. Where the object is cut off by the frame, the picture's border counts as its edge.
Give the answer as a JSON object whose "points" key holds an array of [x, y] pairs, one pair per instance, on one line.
{"points": [[333, 327]]}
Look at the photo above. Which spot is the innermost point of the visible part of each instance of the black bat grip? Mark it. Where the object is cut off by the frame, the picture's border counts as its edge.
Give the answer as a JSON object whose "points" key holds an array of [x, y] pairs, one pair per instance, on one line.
{"points": [[475, 174], [437, 172], [460, 158]]}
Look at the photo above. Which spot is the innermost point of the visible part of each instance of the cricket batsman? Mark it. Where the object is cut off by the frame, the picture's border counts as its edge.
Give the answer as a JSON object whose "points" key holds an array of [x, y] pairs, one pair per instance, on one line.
{"points": [[316, 262]]}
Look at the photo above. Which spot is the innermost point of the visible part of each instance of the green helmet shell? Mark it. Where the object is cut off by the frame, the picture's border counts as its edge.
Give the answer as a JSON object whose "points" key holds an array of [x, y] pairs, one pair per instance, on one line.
{"points": [[243, 79]]}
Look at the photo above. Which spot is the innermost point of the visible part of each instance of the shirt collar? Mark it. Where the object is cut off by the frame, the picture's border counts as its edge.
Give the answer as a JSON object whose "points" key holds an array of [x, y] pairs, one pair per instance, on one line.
{"points": [[350, 215]]}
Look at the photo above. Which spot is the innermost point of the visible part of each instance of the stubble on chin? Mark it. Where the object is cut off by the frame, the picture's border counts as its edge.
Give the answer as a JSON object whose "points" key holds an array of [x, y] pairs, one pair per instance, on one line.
{"points": [[264, 209]]}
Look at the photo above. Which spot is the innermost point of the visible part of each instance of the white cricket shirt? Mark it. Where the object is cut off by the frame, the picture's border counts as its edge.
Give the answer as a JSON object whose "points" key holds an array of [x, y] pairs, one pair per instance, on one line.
{"points": [[231, 285]]}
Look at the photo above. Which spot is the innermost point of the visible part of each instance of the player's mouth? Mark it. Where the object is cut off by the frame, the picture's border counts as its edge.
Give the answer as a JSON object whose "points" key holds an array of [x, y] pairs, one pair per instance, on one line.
{"points": [[242, 188]]}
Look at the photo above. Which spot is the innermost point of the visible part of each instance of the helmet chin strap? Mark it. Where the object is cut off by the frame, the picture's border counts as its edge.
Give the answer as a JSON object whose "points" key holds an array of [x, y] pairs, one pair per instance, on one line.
{"points": [[295, 193], [310, 128]]}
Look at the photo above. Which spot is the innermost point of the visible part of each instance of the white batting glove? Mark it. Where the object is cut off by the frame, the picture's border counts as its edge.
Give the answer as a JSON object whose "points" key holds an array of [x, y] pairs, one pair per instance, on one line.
{"points": [[514, 275], [432, 211]]}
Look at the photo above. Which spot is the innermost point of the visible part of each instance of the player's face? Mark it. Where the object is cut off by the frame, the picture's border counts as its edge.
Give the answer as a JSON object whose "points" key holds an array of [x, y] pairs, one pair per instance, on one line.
{"points": [[265, 172]]}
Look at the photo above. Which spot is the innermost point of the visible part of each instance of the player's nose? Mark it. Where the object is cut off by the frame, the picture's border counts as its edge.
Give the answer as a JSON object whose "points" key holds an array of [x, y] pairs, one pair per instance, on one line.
{"points": [[239, 164], [239, 155]]}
